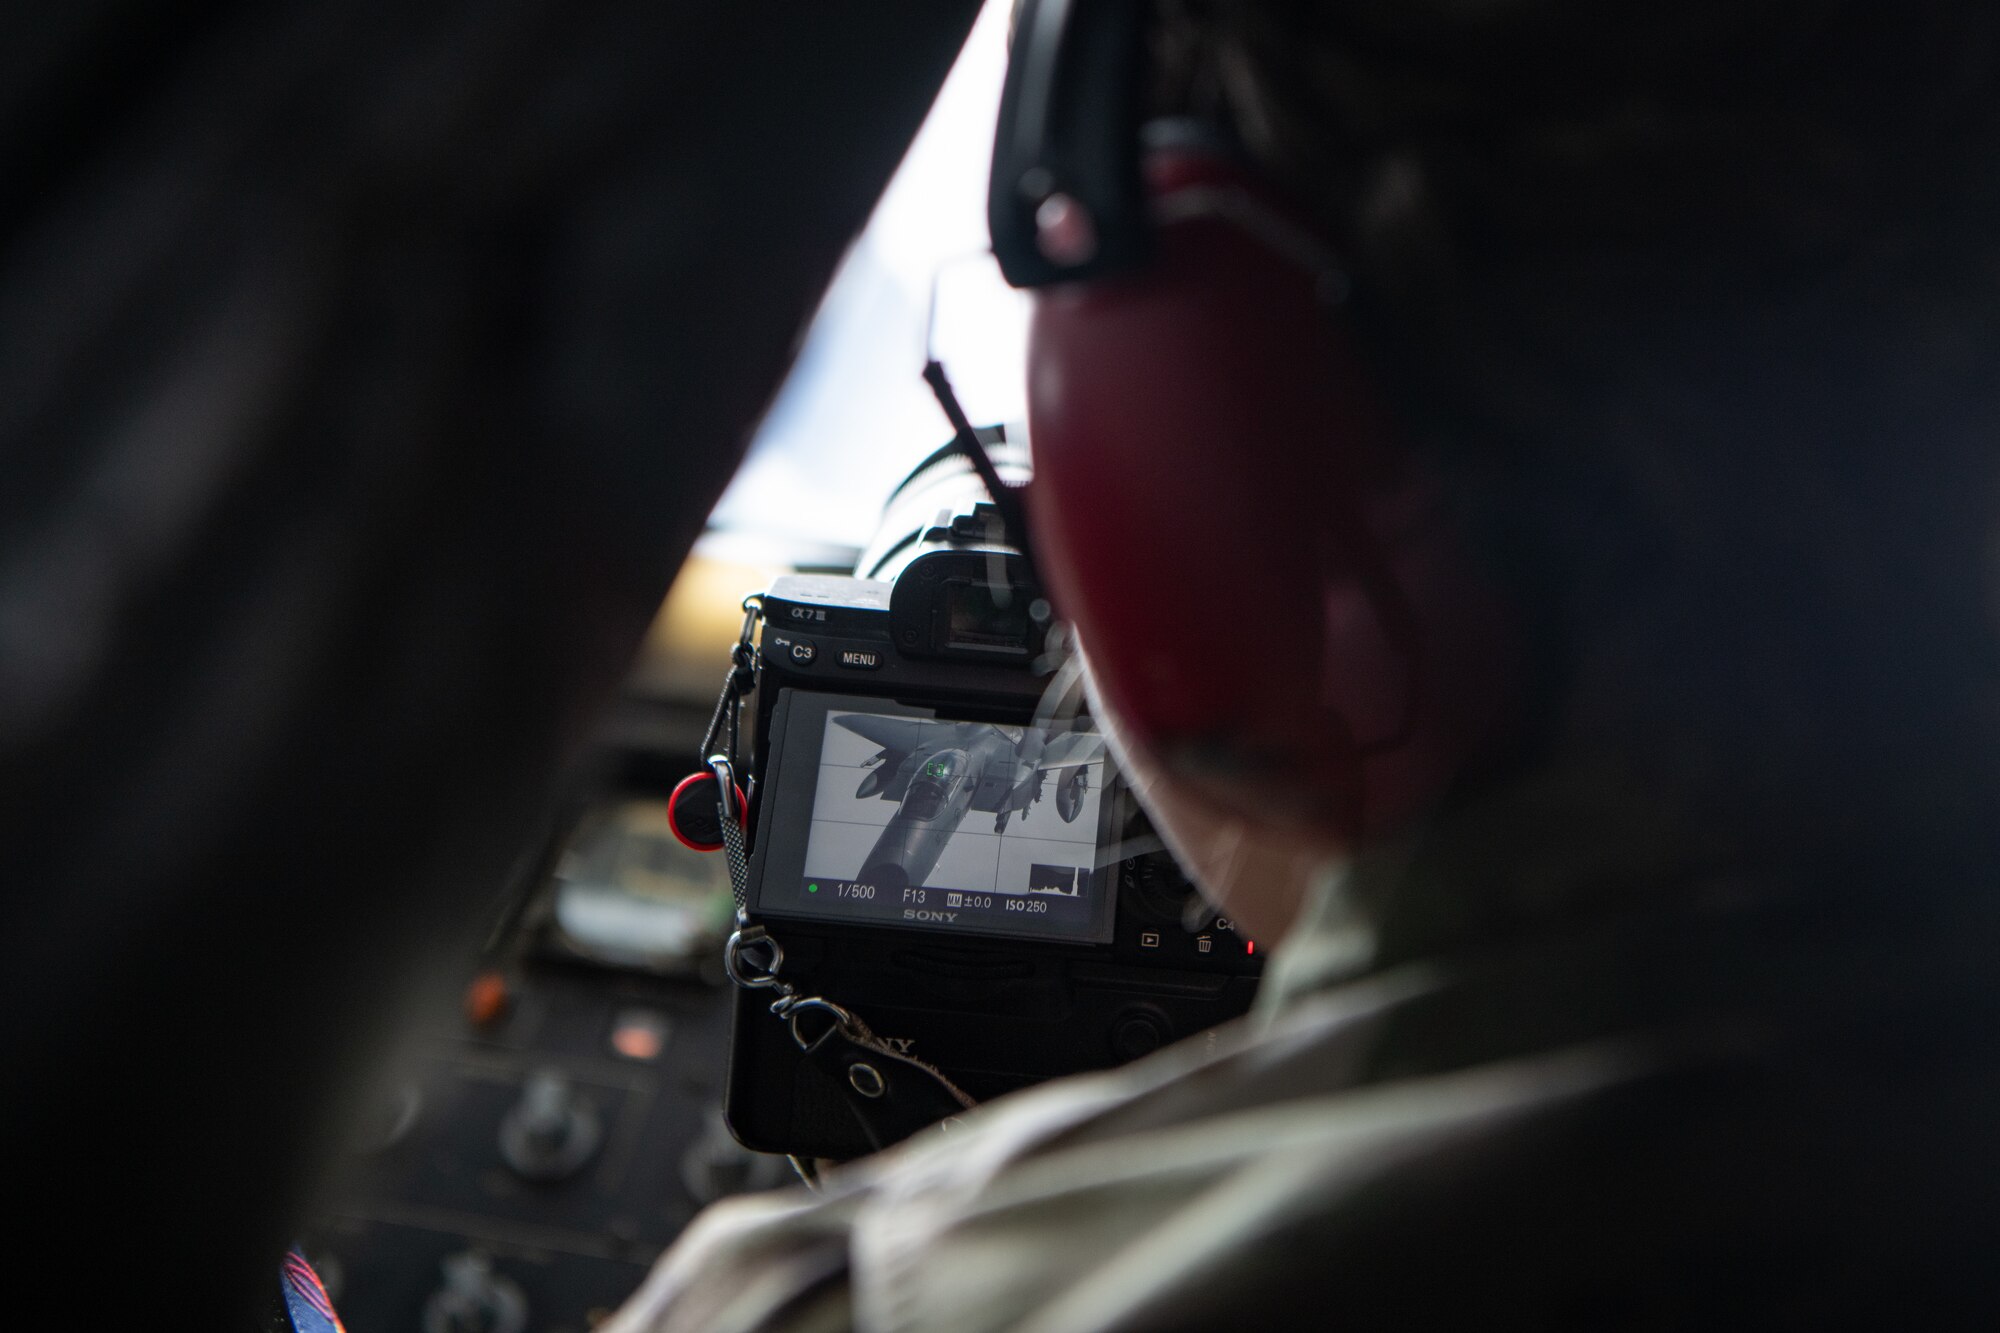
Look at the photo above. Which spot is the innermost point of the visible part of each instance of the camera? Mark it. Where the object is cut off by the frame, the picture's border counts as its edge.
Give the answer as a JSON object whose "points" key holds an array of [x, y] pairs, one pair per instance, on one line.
{"points": [[936, 850]]}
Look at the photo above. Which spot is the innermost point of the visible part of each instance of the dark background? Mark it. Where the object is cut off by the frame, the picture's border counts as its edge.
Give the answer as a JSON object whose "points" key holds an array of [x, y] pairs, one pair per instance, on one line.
{"points": [[365, 372]]}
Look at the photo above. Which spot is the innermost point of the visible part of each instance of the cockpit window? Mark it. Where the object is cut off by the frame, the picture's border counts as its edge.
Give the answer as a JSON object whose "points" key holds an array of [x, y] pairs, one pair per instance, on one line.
{"points": [[936, 782], [855, 416]]}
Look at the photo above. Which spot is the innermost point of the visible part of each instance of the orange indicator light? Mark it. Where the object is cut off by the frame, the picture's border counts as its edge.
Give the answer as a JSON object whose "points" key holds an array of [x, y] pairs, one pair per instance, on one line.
{"points": [[639, 1034], [486, 999]]}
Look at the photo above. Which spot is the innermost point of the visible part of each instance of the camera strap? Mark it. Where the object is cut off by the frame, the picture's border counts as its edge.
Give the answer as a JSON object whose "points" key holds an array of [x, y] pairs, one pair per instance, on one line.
{"points": [[891, 1095]]}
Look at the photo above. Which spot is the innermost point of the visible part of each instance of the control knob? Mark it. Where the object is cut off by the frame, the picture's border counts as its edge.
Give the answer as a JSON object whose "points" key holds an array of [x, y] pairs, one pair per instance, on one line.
{"points": [[551, 1132], [475, 1299]]}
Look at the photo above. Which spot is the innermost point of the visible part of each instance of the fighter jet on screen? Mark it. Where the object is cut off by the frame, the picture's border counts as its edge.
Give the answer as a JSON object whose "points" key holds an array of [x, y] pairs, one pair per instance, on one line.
{"points": [[940, 770]]}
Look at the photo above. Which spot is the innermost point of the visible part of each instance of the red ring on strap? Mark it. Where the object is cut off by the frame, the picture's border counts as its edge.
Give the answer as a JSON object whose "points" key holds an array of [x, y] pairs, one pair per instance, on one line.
{"points": [[742, 812]]}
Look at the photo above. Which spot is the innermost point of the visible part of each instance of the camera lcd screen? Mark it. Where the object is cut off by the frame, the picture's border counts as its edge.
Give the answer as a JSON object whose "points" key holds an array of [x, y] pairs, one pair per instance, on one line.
{"points": [[887, 814]]}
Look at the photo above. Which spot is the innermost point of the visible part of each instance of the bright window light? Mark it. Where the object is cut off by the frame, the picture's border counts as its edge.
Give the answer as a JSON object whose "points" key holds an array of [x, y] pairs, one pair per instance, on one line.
{"points": [[854, 416]]}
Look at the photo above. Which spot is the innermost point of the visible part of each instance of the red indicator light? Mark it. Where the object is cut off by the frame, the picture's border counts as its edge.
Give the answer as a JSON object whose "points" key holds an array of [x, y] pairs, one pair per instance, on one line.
{"points": [[1249, 946]]}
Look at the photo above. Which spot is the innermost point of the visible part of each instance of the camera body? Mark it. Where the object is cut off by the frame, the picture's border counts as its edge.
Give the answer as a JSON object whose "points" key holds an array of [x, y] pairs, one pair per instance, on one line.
{"points": [[933, 858]]}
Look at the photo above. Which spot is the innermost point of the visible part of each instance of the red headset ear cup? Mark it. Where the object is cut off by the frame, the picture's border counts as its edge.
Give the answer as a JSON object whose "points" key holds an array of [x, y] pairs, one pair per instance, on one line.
{"points": [[1219, 507]]}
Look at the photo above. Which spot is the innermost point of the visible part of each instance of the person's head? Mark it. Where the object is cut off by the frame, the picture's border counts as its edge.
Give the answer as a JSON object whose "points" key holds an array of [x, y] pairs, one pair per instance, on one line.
{"points": [[1684, 319]]}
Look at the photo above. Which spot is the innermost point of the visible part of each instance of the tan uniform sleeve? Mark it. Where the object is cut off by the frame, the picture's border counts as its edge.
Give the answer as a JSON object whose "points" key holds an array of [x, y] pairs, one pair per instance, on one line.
{"points": [[769, 1262]]}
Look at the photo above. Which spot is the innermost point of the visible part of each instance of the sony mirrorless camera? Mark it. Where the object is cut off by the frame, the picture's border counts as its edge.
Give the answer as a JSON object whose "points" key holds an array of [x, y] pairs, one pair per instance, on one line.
{"points": [[933, 859]]}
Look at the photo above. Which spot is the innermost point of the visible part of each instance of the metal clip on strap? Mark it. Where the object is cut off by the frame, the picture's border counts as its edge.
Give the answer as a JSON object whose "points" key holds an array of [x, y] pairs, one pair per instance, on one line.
{"points": [[745, 969], [732, 834], [840, 1020], [725, 780]]}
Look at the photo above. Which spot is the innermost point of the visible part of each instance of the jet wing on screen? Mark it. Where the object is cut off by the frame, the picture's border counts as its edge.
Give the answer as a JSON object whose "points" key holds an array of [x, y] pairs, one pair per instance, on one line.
{"points": [[1071, 750], [903, 735]]}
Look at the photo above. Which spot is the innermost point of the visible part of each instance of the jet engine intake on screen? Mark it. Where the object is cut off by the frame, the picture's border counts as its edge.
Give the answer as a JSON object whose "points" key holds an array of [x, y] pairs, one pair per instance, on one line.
{"points": [[930, 775]]}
